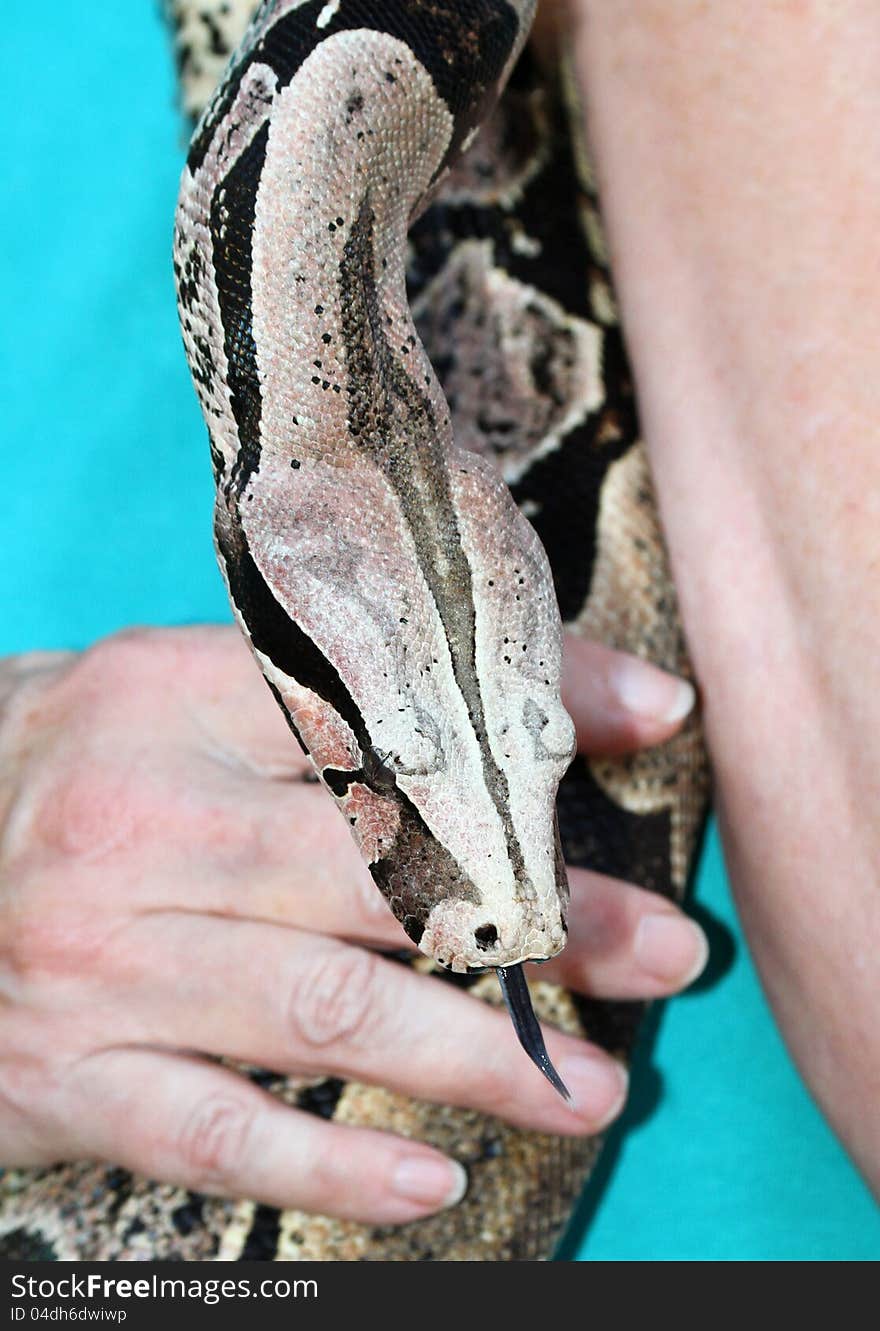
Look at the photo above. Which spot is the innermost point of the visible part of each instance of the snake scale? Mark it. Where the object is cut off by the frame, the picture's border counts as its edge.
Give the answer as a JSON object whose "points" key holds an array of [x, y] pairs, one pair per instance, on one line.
{"points": [[396, 324]]}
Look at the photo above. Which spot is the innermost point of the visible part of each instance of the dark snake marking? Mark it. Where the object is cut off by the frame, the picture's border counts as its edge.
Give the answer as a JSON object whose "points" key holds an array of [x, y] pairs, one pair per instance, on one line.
{"points": [[464, 47], [397, 425], [274, 634], [233, 210]]}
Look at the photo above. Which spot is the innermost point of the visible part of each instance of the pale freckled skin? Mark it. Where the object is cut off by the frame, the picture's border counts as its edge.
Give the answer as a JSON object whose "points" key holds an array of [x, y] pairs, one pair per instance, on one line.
{"points": [[752, 151]]}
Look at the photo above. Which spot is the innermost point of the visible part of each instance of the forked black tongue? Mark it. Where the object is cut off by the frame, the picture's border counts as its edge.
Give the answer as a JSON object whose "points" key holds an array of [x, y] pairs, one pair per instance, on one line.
{"points": [[525, 1023]]}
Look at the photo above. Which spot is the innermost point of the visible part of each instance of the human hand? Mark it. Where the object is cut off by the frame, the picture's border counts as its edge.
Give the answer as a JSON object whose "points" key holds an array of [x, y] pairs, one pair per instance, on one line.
{"points": [[176, 888]]}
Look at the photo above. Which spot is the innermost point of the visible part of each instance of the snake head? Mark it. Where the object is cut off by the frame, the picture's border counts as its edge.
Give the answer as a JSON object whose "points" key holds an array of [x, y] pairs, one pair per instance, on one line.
{"points": [[421, 673]]}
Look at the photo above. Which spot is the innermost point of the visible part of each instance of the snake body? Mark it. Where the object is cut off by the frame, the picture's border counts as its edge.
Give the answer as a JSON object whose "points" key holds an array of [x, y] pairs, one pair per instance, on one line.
{"points": [[400, 331]]}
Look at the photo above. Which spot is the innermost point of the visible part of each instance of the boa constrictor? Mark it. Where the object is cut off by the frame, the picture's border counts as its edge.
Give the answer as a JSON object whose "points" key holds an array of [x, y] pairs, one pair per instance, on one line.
{"points": [[400, 330]]}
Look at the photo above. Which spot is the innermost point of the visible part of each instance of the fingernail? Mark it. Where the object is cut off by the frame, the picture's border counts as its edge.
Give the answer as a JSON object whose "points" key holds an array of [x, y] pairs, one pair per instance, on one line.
{"points": [[647, 691], [598, 1086], [435, 1183], [671, 948]]}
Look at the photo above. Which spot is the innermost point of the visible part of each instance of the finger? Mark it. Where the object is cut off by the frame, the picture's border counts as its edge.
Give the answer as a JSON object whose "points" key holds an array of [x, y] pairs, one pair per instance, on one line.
{"points": [[201, 1127], [284, 856], [306, 871], [619, 702], [234, 716], [624, 942], [298, 1002], [271, 851]]}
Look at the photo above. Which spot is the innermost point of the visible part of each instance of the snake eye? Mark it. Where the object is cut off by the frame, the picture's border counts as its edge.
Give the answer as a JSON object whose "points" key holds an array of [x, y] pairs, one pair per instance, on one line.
{"points": [[486, 937], [377, 774]]}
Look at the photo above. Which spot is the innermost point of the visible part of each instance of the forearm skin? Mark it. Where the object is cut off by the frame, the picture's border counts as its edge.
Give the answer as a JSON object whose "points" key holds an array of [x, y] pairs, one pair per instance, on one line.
{"points": [[738, 151]]}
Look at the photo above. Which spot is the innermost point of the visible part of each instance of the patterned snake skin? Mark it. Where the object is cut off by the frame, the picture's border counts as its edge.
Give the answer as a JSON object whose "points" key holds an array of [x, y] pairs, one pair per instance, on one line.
{"points": [[510, 289]]}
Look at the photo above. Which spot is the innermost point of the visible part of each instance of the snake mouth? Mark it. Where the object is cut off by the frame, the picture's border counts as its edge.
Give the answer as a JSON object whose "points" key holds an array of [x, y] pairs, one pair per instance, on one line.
{"points": [[518, 1001]]}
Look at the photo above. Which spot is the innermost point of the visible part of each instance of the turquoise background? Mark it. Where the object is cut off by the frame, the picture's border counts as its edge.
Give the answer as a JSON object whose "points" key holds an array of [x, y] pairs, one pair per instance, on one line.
{"points": [[107, 522]]}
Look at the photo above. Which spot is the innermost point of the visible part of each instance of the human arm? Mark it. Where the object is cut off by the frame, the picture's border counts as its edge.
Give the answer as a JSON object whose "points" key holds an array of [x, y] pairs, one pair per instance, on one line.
{"points": [[737, 156]]}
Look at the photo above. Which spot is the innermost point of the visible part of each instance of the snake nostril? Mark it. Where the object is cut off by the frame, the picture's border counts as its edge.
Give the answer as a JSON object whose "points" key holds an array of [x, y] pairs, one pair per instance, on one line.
{"points": [[486, 936]]}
